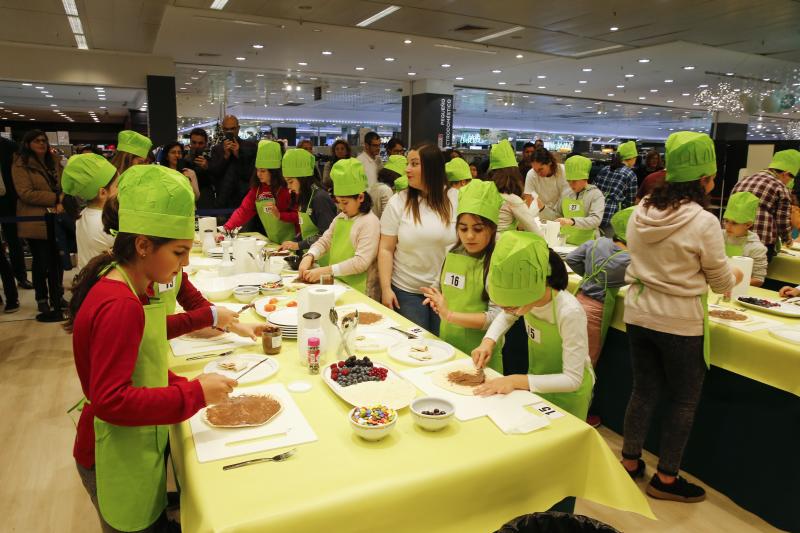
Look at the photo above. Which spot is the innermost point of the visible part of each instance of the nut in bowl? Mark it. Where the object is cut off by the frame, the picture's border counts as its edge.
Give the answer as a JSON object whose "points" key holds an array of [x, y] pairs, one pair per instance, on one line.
{"points": [[432, 414], [245, 294], [372, 423]]}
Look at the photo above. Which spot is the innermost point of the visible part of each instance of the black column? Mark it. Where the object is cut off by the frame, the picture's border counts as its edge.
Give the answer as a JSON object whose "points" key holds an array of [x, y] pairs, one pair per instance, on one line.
{"points": [[162, 109], [431, 119], [730, 143]]}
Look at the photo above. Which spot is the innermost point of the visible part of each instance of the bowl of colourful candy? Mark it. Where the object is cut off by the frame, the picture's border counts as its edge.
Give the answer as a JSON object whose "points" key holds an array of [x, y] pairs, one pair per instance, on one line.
{"points": [[432, 414], [372, 423]]}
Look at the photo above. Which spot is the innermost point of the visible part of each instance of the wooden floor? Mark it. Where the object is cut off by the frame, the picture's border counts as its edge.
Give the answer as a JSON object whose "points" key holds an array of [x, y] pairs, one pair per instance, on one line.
{"points": [[41, 491]]}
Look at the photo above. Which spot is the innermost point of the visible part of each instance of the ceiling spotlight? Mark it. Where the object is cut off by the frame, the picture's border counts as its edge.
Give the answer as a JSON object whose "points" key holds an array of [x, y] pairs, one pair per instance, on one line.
{"points": [[688, 67], [541, 77], [496, 71], [729, 73], [390, 59], [578, 91], [240, 58], [582, 81], [684, 94], [202, 71], [446, 65], [302, 63], [667, 81], [702, 86], [644, 60], [613, 28], [459, 78], [610, 94], [642, 98], [412, 73], [27, 84], [670, 101], [519, 56], [586, 69], [653, 90], [359, 68], [327, 53], [620, 86], [501, 83], [258, 46], [407, 41], [630, 75], [541, 87]]}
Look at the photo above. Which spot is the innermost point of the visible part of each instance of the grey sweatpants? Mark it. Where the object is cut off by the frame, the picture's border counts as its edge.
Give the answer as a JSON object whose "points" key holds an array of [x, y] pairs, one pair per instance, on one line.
{"points": [[668, 363]]}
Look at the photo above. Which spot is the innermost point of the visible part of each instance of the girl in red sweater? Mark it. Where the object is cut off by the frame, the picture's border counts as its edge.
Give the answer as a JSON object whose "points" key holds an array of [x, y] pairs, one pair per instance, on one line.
{"points": [[120, 345], [269, 198]]}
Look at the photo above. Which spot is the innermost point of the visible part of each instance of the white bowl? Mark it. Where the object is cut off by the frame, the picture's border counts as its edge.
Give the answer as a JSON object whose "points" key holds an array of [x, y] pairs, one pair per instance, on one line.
{"points": [[245, 294], [432, 422], [216, 288], [371, 433]]}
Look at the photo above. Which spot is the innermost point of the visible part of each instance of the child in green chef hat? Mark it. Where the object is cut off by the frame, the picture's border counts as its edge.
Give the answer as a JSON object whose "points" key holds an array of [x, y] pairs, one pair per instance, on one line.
{"points": [[462, 302], [529, 280], [739, 217]]}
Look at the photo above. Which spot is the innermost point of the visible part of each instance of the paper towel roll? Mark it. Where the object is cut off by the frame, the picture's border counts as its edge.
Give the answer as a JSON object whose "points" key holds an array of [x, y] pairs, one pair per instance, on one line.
{"points": [[320, 299], [745, 264], [551, 230], [204, 223]]}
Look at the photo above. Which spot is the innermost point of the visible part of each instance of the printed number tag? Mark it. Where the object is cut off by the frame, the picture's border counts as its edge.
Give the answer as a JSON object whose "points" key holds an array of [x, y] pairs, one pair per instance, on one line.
{"points": [[455, 280], [166, 287], [534, 334], [548, 411], [573, 207]]}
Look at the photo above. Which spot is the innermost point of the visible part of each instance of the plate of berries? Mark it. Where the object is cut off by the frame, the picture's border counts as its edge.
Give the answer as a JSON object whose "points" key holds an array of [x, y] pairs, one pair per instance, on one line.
{"points": [[781, 308], [361, 381]]}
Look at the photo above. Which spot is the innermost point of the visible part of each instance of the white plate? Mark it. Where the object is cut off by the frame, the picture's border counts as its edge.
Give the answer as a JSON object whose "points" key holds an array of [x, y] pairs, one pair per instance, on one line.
{"points": [[261, 302], [394, 392], [786, 308], [286, 317], [375, 341], [439, 352], [265, 370], [256, 278], [204, 263], [564, 250], [788, 334]]}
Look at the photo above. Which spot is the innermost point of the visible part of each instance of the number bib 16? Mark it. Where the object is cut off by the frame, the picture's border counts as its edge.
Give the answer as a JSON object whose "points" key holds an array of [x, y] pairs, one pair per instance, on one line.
{"points": [[457, 281]]}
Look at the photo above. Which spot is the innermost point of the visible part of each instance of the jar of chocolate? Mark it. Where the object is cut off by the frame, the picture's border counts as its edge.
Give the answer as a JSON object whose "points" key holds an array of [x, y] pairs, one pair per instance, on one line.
{"points": [[271, 340]]}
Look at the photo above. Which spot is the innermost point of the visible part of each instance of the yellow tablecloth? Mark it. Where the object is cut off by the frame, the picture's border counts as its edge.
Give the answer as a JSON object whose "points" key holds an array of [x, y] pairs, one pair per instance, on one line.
{"points": [[756, 355], [786, 268], [468, 477]]}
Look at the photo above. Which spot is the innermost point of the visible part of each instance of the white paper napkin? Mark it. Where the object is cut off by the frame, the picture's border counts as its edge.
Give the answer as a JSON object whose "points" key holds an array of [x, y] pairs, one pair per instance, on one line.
{"points": [[516, 420]]}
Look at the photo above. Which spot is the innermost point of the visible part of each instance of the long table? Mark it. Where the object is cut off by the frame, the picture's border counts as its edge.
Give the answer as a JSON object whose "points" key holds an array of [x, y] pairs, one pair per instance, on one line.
{"points": [[468, 477], [785, 267], [747, 426]]}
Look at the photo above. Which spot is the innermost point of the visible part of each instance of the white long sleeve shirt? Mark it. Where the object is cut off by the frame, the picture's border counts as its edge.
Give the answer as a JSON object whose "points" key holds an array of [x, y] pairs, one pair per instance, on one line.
{"points": [[90, 237], [571, 320], [515, 208]]}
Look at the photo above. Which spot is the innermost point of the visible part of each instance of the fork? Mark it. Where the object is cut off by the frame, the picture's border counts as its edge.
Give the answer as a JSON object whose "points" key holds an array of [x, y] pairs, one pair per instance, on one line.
{"points": [[275, 459]]}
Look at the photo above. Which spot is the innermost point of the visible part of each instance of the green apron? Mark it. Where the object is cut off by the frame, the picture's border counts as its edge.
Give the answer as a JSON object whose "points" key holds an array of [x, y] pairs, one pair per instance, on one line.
{"points": [[732, 250], [610, 295], [545, 357], [168, 292], [277, 230], [575, 209], [706, 331], [129, 460], [462, 288], [342, 249], [308, 228]]}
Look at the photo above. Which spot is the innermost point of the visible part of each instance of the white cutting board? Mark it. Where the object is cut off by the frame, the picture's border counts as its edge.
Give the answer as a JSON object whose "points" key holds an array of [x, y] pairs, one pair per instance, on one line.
{"points": [[182, 347], [468, 407], [289, 428]]}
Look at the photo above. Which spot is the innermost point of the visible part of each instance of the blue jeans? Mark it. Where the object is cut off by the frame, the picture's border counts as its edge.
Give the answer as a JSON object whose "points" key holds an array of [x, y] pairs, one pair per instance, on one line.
{"points": [[411, 307]]}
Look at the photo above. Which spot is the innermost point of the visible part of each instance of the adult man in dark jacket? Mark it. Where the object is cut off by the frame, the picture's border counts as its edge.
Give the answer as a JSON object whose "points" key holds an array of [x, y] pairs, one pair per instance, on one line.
{"points": [[232, 164], [197, 159], [8, 208]]}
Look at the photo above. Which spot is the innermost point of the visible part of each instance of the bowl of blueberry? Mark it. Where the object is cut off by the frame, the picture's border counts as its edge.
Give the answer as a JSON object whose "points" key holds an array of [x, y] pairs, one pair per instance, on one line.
{"points": [[431, 413]]}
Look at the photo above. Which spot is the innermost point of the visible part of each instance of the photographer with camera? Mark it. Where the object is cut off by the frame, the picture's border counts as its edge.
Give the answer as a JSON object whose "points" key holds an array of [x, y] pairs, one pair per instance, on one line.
{"points": [[197, 159], [231, 165]]}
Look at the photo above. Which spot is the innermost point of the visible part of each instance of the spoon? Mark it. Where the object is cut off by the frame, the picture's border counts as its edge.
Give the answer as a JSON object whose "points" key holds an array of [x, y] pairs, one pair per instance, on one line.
{"points": [[334, 318]]}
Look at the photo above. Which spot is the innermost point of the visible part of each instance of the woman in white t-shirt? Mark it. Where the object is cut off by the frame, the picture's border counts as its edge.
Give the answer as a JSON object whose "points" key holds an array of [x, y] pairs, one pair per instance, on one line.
{"points": [[417, 229], [546, 181]]}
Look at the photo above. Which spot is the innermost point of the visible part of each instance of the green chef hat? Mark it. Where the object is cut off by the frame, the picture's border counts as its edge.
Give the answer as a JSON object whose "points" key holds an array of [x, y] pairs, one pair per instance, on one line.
{"points": [[787, 161], [133, 143], [348, 177], [577, 167], [85, 174], [268, 155], [397, 163], [742, 207], [156, 201], [627, 150], [298, 163], [401, 184], [480, 198], [519, 269], [620, 222], [457, 169], [502, 155], [689, 156]]}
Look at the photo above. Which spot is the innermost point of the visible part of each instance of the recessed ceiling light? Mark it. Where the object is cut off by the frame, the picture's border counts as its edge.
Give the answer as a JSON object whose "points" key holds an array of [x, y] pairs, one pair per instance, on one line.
{"points": [[51, 105], [729, 73], [377, 16], [362, 82], [50, 96], [57, 111], [688, 67], [501, 83], [613, 28], [258, 46], [240, 58], [702, 86], [261, 76], [696, 103], [519, 56], [459, 78], [586, 69], [327, 53], [667, 81], [630, 75], [541, 87], [496, 71], [644, 60], [578, 91], [582, 81], [610, 94], [27, 84], [237, 86], [446, 65], [103, 107], [642, 98], [412, 73], [620, 86], [490, 93], [187, 83], [302, 63], [202, 71], [390, 59], [670, 101], [541, 77], [684, 94], [407, 41], [653, 90], [766, 79], [359, 68], [40, 87]]}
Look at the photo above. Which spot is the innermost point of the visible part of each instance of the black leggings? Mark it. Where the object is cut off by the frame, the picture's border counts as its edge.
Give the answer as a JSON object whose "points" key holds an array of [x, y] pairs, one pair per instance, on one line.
{"points": [[670, 363], [47, 272]]}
